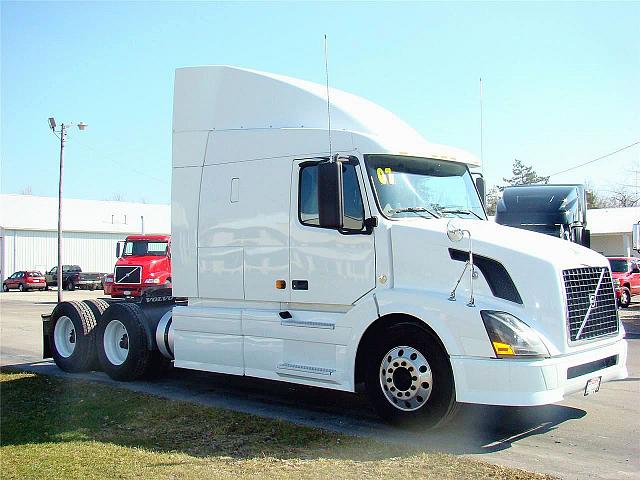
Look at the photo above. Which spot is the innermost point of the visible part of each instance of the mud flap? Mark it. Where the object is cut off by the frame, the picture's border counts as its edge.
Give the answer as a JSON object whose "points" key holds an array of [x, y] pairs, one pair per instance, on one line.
{"points": [[46, 329]]}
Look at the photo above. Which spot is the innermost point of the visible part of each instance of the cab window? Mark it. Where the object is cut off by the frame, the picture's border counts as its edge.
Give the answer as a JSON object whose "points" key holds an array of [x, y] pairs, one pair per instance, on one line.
{"points": [[308, 197]]}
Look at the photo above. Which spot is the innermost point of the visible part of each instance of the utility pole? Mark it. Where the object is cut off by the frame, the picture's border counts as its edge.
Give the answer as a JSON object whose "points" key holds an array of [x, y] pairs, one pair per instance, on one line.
{"points": [[63, 134]]}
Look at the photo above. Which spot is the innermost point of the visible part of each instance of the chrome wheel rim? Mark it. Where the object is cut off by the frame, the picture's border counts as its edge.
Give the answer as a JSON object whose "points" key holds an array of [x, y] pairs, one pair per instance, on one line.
{"points": [[406, 378], [64, 336], [116, 342]]}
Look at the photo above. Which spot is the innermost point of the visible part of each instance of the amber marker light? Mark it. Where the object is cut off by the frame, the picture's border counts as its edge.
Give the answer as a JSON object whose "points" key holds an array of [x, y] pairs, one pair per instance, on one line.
{"points": [[281, 284], [502, 349]]}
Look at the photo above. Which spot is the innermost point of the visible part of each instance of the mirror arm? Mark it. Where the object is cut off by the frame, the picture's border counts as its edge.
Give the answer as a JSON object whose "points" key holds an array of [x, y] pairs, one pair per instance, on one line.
{"points": [[369, 224]]}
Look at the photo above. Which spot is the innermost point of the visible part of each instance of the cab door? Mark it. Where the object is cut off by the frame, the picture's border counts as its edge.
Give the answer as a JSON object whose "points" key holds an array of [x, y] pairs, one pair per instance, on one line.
{"points": [[329, 266]]}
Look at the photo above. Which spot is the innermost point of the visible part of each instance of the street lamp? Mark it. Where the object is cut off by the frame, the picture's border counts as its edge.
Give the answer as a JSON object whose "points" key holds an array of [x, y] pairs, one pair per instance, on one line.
{"points": [[63, 133]]}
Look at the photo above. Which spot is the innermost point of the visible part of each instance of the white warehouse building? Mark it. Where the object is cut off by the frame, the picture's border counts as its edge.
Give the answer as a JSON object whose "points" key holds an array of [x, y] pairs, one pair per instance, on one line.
{"points": [[91, 229], [611, 230]]}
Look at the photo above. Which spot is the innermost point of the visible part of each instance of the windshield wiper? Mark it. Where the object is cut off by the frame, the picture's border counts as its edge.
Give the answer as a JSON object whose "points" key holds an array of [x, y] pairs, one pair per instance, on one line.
{"points": [[416, 210], [459, 211]]}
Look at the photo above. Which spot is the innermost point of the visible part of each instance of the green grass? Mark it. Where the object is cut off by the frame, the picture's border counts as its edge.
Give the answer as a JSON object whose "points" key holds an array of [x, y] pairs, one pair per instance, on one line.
{"points": [[56, 428]]}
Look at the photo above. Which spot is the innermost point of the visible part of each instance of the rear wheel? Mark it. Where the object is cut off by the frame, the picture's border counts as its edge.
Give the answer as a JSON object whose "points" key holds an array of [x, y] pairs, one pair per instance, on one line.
{"points": [[123, 349], [5, 287], [72, 337], [70, 285], [408, 377], [625, 297]]}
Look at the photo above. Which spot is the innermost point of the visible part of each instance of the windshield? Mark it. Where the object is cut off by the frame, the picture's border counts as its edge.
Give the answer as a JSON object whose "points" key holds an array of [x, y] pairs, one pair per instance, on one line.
{"points": [[619, 266], [145, 247], [406, 186]]}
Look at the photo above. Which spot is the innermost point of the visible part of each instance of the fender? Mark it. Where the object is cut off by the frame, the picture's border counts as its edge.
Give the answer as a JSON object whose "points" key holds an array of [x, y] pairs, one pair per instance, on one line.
{"points": [[459, 327]]}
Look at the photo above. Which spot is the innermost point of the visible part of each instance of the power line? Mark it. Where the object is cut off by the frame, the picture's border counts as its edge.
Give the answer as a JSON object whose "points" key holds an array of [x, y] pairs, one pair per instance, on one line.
{"points": [[596, 159]]}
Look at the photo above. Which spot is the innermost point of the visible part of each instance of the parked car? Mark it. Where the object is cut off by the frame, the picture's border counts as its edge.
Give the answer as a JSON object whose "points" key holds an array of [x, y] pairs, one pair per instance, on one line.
{"points": [[107, 283], [25, 280], [626, 271], [73, 277]]}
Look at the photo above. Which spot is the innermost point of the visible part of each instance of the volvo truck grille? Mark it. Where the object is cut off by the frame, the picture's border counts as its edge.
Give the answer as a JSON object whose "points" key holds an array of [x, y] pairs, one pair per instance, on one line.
{"points": [[591, 303], [128, 274]]}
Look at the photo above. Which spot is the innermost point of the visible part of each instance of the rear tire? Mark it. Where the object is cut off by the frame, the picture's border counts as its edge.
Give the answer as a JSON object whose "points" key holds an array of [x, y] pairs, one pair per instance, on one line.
{"points": [[5, 287], [72, 337], [625, 297], [417, 385], [122, 343], [70, 286]]}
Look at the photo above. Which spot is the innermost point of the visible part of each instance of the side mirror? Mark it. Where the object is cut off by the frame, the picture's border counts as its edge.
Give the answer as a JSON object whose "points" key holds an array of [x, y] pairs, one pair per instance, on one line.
{"points": [[481, 186], [330, 201], [118, 250], [586, 238]]}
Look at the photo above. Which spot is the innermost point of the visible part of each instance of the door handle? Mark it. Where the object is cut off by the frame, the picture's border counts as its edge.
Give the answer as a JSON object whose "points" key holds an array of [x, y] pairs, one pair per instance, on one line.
{"points": [[300, 284], [285, 315]]}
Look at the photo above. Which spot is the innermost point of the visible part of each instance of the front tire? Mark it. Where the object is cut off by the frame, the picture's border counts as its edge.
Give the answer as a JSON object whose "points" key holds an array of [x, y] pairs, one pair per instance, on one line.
{"points": [[5, 287], [625, 297], [123, 349], [408, 377], [72, 337], [21, 287], [70, 286]]}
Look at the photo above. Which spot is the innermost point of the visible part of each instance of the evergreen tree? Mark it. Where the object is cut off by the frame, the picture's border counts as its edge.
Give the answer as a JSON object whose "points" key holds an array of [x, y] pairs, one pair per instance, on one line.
{"points": [[524, 175]]}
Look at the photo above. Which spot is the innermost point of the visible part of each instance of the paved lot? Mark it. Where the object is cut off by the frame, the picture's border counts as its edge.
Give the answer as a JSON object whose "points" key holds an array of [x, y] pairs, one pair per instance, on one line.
{"points": [[593, 437]]}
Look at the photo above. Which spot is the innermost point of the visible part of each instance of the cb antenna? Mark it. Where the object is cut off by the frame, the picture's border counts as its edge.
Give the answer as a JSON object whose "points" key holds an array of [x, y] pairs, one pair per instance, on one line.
{"points": [[481, 138], [326, 74]]}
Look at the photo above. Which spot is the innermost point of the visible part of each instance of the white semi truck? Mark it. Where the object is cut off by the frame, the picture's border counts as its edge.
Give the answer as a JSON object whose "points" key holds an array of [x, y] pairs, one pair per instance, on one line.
{"points": [[356, 255]]}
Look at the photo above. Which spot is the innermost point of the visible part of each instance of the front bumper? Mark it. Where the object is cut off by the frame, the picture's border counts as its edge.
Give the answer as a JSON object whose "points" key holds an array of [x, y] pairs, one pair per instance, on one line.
{"points": [[523, 382], [118, 290]]}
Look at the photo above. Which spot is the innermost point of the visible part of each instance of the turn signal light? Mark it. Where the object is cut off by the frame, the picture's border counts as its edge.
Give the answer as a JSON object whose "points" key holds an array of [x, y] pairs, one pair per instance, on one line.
{"points": [[502, 348], [281, 284]]}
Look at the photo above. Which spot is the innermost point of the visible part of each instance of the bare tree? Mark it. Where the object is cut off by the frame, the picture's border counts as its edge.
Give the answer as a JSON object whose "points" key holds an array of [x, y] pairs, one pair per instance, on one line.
{"points": [[622, 196], [27, 190], [117, 197], [492, 200]]}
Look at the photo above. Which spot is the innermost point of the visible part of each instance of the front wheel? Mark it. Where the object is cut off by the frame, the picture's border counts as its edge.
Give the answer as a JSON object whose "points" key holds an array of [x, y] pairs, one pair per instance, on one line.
{"points": [[625, 297], [70, 286], [21, 287], [5, 287], [409, 378]]}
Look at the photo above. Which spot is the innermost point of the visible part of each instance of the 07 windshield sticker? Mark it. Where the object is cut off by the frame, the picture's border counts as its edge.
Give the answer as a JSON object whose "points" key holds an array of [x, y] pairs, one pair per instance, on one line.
{"points": [[385, 176]]}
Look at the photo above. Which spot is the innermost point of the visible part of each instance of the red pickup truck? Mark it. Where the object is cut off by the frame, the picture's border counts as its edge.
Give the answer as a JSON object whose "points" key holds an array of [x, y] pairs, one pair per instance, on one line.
{"points": [[626, 274], [144, 262]]}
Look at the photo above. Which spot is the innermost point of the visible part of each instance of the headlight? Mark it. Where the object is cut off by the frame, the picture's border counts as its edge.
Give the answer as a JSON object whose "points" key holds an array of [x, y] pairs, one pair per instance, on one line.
{"points": [[616, 282], [152, 280], [512, 337], [108, 280]]}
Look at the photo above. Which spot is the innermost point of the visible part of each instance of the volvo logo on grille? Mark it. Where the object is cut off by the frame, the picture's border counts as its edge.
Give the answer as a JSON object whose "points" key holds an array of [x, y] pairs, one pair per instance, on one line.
{"points": [[128, 274], [592, 299]]}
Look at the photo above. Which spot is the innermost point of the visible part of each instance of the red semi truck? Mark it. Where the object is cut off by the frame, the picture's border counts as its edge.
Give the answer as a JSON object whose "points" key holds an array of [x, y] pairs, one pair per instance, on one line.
{"points": [[144, 262]]}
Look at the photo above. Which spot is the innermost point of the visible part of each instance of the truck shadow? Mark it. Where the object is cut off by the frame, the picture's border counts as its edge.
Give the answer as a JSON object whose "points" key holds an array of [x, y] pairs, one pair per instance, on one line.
{"points": [[476, 429]]}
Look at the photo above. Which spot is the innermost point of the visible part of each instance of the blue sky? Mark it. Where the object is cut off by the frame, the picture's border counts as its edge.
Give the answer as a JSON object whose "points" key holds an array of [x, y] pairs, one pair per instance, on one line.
{"points": [[561, 81]]}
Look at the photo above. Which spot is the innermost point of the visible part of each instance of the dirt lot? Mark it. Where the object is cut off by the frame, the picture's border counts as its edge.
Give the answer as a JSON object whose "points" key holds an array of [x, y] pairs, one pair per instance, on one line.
{"points": [[581, 437]]}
